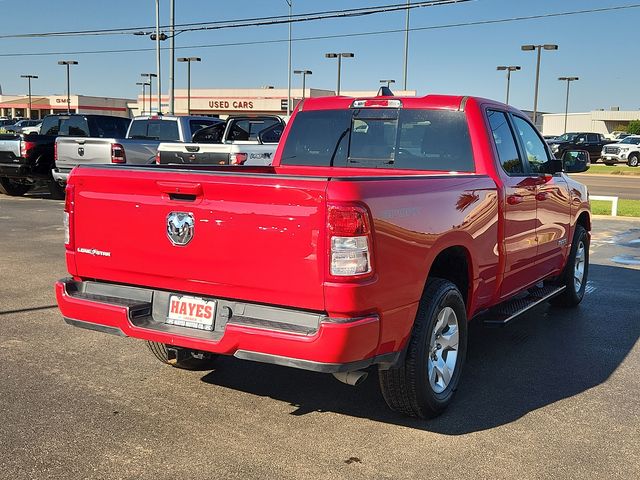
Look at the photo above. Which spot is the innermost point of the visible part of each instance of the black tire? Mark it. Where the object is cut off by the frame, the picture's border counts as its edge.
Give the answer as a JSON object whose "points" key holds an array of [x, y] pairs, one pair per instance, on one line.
{"points": [[633, 160], [186, 359], [407, 388], [55, 190], [573, 295], [12, 188]]}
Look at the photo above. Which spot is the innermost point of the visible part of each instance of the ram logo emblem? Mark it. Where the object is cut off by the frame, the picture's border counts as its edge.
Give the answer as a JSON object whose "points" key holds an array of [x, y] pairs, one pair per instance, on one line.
{"points": [[180, 227]]}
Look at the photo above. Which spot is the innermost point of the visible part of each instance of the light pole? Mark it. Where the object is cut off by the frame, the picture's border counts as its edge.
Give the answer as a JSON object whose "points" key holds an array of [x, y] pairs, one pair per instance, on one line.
{"points": [[339, 56], [68, 63], [172, 55], [289, 2], [144, 84], [509, 69], [406, 44], [528, 48], [388, 82], [304, 74], [566, 105], [158, 56], [150, 76], [29, 77], [188, 60]]}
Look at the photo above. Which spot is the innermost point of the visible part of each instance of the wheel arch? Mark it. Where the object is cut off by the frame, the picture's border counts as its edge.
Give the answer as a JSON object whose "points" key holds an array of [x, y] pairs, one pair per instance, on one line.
{"points": [[454, 263]]}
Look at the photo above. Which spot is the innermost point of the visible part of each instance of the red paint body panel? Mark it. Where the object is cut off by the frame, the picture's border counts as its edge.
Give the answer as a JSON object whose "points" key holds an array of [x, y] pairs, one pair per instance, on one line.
{"points": [[261, 236]]}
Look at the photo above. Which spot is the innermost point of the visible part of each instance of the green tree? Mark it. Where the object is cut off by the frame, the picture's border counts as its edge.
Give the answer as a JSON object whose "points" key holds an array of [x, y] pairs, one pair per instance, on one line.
{"points": [[634, 127]]}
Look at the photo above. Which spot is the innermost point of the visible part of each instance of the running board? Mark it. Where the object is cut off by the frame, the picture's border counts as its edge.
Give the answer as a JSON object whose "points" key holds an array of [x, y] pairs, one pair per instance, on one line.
{"points": [[502, 314]]}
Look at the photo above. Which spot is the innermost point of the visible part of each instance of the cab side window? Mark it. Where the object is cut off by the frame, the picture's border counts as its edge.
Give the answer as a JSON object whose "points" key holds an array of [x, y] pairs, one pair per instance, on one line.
{"points": [[533, 145], [505, 143]]}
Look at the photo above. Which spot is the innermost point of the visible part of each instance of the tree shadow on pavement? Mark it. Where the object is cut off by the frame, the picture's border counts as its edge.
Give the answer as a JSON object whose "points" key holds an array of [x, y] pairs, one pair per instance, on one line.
{"points": [[545, 356]]}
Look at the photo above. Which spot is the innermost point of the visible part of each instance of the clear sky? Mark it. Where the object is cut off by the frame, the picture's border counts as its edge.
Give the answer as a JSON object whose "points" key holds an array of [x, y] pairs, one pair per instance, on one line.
{"points": [[600, 48]]}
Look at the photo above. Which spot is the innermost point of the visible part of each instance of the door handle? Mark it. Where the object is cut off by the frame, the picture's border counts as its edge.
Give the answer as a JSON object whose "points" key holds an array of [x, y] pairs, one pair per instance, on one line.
{"points": [[515, 199], [180, 188]]}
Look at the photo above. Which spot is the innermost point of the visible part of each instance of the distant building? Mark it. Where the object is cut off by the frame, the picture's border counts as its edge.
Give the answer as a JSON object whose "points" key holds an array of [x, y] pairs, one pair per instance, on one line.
{"points": [[597, 121], [16, 106], [222, 102]]}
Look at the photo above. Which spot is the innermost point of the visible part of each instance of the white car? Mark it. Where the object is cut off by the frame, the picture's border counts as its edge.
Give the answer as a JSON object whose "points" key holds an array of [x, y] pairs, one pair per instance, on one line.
{"points": [[32, 129], [626, 150]]}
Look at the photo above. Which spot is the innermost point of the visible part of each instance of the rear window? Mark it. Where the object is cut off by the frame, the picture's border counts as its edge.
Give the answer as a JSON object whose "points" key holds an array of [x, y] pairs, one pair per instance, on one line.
{"points": [[108, 127], [163, 130], [195, 125], [380, 138]]}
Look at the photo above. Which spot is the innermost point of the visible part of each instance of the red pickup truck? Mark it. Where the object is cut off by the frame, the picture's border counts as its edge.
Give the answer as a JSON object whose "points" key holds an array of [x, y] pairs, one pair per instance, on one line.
{"points": [[383, 226]]}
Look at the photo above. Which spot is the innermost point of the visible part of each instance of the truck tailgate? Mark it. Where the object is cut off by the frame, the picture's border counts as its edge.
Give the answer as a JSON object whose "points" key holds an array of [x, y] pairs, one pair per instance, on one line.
{"points": [[9, 149], [73, 151], [255, 237]]}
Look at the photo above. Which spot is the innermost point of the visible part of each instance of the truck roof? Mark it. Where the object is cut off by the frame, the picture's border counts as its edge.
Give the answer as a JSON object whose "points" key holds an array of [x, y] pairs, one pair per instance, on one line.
{"points": [[433, 101]]}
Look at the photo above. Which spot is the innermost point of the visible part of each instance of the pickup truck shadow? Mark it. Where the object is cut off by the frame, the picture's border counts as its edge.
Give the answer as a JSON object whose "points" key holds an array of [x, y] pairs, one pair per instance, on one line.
{"points": [[545, 356]]}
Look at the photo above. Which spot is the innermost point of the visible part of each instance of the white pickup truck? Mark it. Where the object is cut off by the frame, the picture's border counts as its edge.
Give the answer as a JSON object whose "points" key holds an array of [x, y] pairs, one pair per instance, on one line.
{"points": [[238, 141], [139, 146], [626, 150]]}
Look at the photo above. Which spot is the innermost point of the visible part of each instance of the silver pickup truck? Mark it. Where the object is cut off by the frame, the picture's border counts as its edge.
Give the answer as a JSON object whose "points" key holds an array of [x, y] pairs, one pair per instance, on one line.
{"points": [[139, 146], [240, 140]]}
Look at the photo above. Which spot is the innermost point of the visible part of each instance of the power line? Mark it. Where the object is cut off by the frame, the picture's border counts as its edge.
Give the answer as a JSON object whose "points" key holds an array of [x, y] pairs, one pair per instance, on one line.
{"points": [[247, 22], [344, 35]]}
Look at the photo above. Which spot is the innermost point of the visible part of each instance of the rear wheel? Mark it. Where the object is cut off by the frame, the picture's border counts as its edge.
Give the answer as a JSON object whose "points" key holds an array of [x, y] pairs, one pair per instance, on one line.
{"points": [[55, 189], [11, 187], [634, 160], [182, 357], [574, 277], [424, 385]]}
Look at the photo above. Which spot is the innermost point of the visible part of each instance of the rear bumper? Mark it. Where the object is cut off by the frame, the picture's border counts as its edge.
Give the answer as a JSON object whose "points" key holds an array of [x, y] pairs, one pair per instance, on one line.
{"points": [[60, 175], [300, 339]]}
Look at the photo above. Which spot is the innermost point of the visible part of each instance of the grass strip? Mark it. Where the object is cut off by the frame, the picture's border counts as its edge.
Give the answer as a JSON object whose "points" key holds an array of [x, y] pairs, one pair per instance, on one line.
{"points": [[626, 208]]}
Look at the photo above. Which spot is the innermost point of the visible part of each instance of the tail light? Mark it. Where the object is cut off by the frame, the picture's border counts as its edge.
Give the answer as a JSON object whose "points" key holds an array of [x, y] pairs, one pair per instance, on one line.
{"points": [[350, 241], [157, 158], [68, 217], [55, 152], [237, 158], [25, 147], [117, 153]]}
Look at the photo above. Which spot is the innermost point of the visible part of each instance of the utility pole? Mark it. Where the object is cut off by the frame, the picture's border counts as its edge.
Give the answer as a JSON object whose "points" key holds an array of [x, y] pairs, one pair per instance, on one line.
{"points": [[406, 44], [172, 54]]}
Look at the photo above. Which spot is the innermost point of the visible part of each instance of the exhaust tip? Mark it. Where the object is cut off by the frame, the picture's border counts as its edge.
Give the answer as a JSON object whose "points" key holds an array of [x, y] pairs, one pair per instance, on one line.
{"points": [[353, 378]]}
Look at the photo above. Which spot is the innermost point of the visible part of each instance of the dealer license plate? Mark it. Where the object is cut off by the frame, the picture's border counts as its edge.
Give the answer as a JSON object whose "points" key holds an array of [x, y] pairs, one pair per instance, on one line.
{"points": [[192, 312]]}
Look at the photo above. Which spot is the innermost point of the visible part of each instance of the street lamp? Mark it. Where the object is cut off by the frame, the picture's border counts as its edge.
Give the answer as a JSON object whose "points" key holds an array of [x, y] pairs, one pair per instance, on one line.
{"points": [[144, 84], [388, 82], [304, 74], [29, 77], [339, 56], [68, 63], [150, 76], [528, 48], [566, 105], [189, 60], [290, 3], [509, 69], [406, 44]]}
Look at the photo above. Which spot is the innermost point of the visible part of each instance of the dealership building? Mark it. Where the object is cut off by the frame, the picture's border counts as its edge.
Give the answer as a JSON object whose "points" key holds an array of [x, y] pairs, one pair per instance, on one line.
{"points": [[252, 101], [597, 121], [17, 106]]}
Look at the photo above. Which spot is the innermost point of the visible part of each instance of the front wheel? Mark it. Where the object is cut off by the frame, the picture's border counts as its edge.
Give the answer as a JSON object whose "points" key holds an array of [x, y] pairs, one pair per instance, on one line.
{"points": [[181, 357], [634, 160], [424, 385], [12, 188], [574, 276]]}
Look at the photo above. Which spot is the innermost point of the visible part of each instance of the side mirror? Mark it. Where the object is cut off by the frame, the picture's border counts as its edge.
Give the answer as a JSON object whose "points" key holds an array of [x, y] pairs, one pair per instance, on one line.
{"points": [[576, 161]]}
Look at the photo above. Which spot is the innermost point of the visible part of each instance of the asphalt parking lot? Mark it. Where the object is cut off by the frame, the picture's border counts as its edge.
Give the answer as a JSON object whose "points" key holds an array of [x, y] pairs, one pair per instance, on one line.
{"points": [[556, 395]]}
